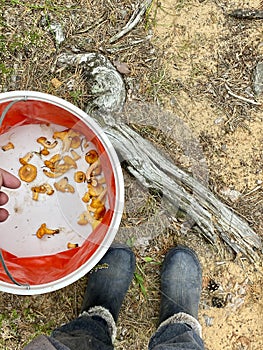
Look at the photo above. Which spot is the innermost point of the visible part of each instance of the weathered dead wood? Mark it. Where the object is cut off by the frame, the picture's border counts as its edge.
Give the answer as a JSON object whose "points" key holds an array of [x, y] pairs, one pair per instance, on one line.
{"points": [[215, 219], [247, 14]]}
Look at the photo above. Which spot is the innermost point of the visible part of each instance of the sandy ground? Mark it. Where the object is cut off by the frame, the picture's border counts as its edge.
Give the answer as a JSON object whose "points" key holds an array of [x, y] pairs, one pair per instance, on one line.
{"points": [[192, 37]]}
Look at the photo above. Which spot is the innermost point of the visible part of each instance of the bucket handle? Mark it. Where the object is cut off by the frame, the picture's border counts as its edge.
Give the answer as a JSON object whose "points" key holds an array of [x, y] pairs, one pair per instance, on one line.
{"points": [[5, 111], [9, 274]]}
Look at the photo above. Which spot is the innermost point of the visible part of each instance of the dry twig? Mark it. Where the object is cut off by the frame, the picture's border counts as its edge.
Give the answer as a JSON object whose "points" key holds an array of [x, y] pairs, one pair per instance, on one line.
{"points": [[247, 14], [134, 20], [241, 97]]}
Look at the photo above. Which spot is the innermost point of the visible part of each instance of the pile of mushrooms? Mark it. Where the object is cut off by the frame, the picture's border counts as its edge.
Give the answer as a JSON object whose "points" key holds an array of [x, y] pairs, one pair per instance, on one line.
{"points": [[56, 167], [95, 195]]}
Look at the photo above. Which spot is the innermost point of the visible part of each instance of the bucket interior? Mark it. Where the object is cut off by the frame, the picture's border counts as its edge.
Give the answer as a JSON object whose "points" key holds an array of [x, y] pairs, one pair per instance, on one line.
{"points": [[47, 268]]}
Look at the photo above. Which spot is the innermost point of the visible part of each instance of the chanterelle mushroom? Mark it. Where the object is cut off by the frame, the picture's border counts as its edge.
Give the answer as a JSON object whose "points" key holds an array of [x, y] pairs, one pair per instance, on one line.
{"points": [[91, 156], [63, 186], [75, 155], [69, 137], [93, 170], [45, 188], [75, 142], [53, 162], [26, 158], [72, 245], [36, 190], [70, 162], [28, 172], [83, 220], [46, 144], [94, 222], [95, 191], [43, 230], [8, 146], [79, 176]]}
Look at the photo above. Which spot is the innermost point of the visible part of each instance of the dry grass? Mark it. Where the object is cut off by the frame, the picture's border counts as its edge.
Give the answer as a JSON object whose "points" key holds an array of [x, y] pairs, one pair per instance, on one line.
{"points": [[28, 55]]}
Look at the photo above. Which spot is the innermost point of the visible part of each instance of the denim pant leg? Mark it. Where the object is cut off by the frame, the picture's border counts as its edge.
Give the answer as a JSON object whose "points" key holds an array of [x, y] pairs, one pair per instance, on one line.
{"points": [[175, 334], [91, 331]]}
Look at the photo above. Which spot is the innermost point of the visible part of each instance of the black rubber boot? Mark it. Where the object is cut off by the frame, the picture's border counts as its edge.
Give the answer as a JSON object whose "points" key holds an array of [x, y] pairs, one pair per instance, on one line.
{"points": [[181, 283], [110, 280]]}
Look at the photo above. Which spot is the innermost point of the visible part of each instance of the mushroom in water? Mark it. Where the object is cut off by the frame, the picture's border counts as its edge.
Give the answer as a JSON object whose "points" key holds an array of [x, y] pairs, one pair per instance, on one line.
{"points": [[70, 162], [52, 174], [79, 176], [36, 190], [91, 156], [8, 146], [94, 169], [83, 219], [46, 144], [75, 155], [86, 197], [45, 188], [97, 205], [72, 245], [53, 162], [43, 230], [75, 142], [69, 137], [64, 186], [26, 158], [95, 191], [49, 189], [28, 172], [94, 222]]}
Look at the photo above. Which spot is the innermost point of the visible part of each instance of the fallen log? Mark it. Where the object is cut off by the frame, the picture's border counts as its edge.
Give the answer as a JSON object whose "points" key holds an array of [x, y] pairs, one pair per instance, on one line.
{"points": [[215, 219]]}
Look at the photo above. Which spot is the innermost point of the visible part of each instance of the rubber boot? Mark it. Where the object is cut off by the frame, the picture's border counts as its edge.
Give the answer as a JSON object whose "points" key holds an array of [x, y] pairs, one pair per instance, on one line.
{"points": [[181, 283], [109, 281]]}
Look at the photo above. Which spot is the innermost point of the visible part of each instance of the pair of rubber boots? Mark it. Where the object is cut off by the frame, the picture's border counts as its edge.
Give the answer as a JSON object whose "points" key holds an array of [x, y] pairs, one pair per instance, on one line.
{"points": [[180, 282]]}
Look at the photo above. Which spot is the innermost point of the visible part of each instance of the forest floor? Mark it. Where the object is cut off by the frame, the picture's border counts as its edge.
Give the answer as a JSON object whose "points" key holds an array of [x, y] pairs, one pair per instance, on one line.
{"points": [[191, 59]]}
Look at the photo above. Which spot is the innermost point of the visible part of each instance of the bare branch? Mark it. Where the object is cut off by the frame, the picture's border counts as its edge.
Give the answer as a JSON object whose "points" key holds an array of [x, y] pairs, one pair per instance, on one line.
{"points": [[134, 20], [241, 97]]}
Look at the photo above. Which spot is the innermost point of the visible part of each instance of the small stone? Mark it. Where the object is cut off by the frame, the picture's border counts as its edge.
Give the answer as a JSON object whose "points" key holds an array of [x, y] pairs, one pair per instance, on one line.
{"points": [[57, 30], [122, 67], [219, 120], [233, 195], [208, 320], [258, 78]]}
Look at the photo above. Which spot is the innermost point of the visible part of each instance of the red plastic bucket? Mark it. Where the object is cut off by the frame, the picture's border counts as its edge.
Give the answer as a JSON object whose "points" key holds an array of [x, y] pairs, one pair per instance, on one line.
{"points": [[32, 265]]}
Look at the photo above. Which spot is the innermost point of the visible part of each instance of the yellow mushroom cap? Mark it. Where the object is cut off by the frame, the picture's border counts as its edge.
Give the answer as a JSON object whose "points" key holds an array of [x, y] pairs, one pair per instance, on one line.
{"points": [[28, 172], [79, 176], [91, 156], [75, 142]]}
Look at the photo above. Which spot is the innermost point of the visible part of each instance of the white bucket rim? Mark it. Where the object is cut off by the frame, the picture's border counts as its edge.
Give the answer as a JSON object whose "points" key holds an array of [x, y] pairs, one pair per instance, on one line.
{"points": [[119, 203]]}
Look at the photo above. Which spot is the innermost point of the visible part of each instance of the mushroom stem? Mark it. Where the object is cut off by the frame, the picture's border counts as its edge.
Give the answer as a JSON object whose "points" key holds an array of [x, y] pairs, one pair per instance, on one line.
{"points": [[8, 147], [94, 222], [43, 230], [72, 245], [63, 186], [83, 219], [92, 168]]}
